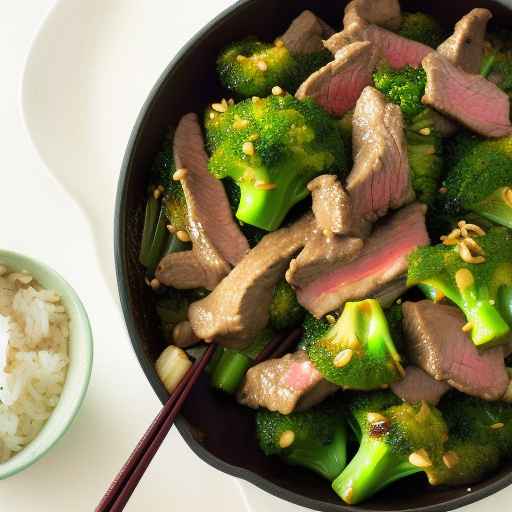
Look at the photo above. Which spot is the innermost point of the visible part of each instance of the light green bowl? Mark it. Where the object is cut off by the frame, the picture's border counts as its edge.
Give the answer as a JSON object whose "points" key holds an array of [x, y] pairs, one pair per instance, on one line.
{"points": [[79, 370]]}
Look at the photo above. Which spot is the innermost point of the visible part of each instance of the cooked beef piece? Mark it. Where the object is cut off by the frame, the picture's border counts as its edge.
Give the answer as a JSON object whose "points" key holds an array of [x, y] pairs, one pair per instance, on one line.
{"points": [[380, 178], [331, 204], [306, 33], [216, 238], [437, 344], [470, 99], [288, 384], [418, 385], [385, 13], [396, 50], [238, 307], [322, 254], [465, 47], [181, 270], [337, 86], [382, 261]]}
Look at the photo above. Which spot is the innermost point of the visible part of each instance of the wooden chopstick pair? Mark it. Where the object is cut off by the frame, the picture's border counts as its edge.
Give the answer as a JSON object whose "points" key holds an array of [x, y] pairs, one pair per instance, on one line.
{"points": [[123, 485]]}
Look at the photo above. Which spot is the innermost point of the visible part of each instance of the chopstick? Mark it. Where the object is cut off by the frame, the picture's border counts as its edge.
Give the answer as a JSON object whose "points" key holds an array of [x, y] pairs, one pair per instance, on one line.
{"points": [[127, 479]]}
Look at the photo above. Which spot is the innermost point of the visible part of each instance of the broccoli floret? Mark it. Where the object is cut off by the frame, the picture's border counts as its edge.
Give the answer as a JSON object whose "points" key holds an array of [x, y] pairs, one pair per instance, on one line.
{"points": [[357, 351], [425, 152], [285, 310], [396, 441], [473, 287], [480, 177], [315, 439], [272, 147], [480, 436], [423, 28], [251, 67], [405, 87]]}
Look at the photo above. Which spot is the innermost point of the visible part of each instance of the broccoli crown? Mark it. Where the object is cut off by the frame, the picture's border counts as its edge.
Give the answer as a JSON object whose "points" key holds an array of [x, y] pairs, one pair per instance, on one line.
{"points": [[251, 67], [477, 167], [397, 440], [425, 152], [315, 438], [474, 287], [271, 147], [357, 352], [404, 87], [421, 27], [285, 310]]}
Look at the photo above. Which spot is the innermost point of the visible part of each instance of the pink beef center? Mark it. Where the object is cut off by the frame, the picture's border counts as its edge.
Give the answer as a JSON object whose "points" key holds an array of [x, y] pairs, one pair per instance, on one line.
{"points": [[301, 376]]}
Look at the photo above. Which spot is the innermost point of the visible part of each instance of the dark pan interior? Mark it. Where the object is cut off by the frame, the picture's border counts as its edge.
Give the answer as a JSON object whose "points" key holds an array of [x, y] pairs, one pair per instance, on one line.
{"points": [[215, 427]]}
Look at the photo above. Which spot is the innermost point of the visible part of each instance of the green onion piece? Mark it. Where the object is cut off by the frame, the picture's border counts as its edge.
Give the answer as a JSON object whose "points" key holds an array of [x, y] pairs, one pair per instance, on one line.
{"points": [[230, 370], [150, 219]]}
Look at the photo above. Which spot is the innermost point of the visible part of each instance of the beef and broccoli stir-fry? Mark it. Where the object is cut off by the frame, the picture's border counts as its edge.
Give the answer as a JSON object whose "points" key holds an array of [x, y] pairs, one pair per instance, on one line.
{"points": [[354, 188]]}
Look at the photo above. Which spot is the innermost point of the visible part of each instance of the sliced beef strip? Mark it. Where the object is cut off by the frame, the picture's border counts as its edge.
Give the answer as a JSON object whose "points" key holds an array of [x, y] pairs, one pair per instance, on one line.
{"points": [[288, 384], [418, 385], [385, 13], [470, 99], [216, 238], [322, 254], [380, 179], [337, 86], [331, 205], [238, 307], [306, 33], [181, 270], [380, 264], [465, 47], [398, 51], [437, 344]]}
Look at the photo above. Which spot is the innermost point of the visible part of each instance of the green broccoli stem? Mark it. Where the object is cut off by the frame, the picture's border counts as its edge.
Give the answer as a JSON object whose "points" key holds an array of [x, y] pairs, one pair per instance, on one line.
{"points": [[324, 459], [497, 207], [504, 303], [373, 468], [214, 361], [230, 370], [487, 64], [150, 220]]}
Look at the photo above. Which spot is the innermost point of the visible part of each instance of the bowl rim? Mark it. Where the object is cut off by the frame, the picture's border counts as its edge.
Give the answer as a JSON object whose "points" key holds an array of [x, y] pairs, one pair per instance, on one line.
{"points": [[38, 270], [147, 367]]}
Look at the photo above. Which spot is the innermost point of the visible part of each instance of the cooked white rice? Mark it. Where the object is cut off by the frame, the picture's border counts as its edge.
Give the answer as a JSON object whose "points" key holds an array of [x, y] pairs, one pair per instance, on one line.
{"points": [[34, 332]]}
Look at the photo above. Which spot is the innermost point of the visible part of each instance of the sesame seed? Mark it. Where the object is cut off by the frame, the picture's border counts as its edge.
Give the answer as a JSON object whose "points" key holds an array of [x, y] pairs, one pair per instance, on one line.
{"points": [[255, 99], [287, 438], [154, 283], [262, 65], [248, 148], [507, 195], [467, 256], [464, 278], [398, 301], [375, 417], [180, 174], [156, 193], [343, 358], [450, 459], [466, 229], [497, 426], [467, 327], [420, 459], [330, 319], [262, 185], [183, 236], [425, 131], [219, 107], [473, 246], [231, 101], [212, 115], [277, 91]]}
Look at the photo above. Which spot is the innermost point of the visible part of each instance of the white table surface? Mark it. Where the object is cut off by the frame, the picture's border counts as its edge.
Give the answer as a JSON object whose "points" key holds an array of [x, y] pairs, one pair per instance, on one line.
{"points": [[64, 124]]}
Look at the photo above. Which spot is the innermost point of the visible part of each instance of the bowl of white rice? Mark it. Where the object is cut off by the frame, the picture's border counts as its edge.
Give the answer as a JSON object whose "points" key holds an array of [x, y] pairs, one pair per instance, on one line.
{"points": [[45, 360]]}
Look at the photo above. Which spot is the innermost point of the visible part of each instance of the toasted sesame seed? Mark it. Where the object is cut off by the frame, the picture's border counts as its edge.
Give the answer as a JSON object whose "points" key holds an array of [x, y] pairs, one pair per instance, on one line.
{"points": [[219, 107], [507, 195], [375, 417], [443, 190], [262, 65], [420, 459], [287, 438], [330, 319], [398, 301], [279, 43], [183, 236], [157, 193], [171, 228], [464, 278], [180, 174], [425, 131], [212, 115], [224, 103], [255, 99], [343, 358], [277, 91], [467, 327], [248, 148], [497, 426], [262, 185], [450, 459], [154, 283]]}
